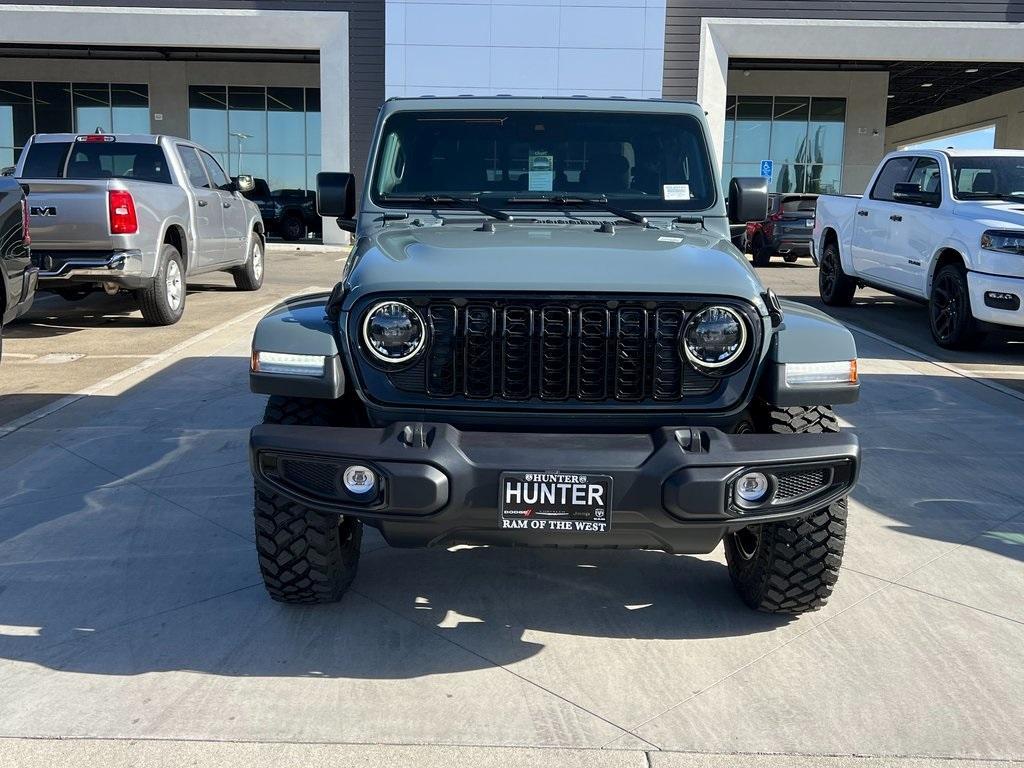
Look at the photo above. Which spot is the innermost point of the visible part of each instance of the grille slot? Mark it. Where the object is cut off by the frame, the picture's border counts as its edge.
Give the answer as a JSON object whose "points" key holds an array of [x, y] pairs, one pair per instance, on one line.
{"points": [[555, 350], [315, 476], [793, 485]]}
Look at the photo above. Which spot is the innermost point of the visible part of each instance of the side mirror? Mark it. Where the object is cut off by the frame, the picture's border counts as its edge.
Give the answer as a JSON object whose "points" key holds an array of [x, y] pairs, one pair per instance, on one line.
{"points": [[908, 192], [244, 183], [748, 199], [336, 195]]}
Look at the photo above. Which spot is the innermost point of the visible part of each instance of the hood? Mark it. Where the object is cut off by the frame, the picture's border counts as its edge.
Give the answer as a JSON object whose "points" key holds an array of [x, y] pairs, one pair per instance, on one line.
{"points": [[559, 258], [993, 213]]}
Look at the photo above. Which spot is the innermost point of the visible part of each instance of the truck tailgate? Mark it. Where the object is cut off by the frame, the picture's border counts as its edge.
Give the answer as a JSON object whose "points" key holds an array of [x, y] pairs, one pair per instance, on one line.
{"points": [[69, 214]]}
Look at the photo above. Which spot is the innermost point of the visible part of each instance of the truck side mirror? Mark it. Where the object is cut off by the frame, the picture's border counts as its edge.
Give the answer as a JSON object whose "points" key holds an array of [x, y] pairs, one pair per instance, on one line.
{"points": [[908, 192], [336, 195], [748, 199], [244, 183]]}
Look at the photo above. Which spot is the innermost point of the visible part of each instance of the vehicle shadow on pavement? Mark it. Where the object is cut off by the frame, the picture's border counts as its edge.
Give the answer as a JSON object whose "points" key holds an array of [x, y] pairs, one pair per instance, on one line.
{"points": [[53, 316], [126, 546]]}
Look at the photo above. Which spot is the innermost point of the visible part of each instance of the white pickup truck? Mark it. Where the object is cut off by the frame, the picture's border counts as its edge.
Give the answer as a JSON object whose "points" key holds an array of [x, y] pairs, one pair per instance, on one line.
{"points": [[941, 226]]}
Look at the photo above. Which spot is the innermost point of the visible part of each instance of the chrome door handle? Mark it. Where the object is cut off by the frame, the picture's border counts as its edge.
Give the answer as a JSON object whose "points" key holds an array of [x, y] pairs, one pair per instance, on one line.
{"points": [[895, 217], [862, 213], [202, 203]]}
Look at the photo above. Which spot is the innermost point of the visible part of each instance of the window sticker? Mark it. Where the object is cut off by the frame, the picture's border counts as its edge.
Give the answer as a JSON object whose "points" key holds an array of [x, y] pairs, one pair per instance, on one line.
{"points": [[675, 191], [542, 172]]}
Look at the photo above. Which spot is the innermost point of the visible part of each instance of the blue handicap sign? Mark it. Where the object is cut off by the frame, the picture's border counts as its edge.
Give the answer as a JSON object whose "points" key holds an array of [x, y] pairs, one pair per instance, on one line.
{"points": [[767, 166]]}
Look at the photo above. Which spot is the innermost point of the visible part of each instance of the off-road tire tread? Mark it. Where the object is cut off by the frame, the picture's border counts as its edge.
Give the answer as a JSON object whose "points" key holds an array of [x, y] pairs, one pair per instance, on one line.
{"points": [[797, 562], [798, 420], [304, 557], [299, 410]]}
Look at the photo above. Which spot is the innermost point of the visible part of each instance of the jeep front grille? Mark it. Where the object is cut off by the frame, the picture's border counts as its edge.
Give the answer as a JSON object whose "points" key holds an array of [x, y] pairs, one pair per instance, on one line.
{"points": [[563, 350]]}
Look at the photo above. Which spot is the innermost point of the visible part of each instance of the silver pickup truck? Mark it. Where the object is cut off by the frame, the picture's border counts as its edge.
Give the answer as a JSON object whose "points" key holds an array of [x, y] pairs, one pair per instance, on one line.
{"points": [[139, 213]]}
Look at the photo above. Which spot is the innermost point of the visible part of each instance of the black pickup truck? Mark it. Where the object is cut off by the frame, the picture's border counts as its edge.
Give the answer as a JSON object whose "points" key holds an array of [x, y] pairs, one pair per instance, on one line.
{"points": [[16, 270]]}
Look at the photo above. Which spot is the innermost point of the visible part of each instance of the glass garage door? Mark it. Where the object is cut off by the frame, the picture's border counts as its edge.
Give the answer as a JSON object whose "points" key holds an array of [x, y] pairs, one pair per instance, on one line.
{"points": [[270, 133], [44, 107], [802, 136]]}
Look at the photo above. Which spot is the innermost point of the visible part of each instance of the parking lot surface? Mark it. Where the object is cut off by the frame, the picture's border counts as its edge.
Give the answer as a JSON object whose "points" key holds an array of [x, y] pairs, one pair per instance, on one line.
{"points": [[133, 626]]}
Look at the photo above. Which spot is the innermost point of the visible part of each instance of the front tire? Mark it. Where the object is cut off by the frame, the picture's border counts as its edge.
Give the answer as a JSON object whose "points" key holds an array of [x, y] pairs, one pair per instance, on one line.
{"points": [[163, 301], [950, 317], [304, 556], [790, 566], [835, 287], [249, 276]]}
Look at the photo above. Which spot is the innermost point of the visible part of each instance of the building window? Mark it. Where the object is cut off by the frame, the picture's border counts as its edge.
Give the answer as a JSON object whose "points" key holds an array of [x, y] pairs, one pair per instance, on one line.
{"points": [[269, 132], [27, 108], [802, 136]]}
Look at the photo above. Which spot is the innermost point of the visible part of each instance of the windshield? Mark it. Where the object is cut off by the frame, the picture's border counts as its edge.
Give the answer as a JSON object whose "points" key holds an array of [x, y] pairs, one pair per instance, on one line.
{"points": [[641, 161], [991, 177]]}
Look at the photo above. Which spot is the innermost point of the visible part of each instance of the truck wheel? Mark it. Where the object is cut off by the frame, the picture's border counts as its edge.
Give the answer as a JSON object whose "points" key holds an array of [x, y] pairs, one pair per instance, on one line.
{"points": [[163, 302], [760, 251], [790, 566], [292, 228], [249, 276], [835, 287], [304, 556], [949, 310]]}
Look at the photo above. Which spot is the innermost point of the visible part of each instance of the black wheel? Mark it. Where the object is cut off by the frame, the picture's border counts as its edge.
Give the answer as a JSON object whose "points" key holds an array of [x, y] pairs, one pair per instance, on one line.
{"points": [[790, 566], [163, 301], [304, 556], [949, 310], [835, 287], [760, 252], [292, 228], [249, 276]]}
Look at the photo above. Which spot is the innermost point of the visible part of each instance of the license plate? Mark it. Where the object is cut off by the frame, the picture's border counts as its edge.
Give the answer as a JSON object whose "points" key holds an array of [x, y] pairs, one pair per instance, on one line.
{"points": [[554, 501]]}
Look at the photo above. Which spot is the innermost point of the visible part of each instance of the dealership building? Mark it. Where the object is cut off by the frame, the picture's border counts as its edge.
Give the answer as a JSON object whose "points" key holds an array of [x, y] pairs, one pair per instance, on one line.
{"points": [[284, 88]]}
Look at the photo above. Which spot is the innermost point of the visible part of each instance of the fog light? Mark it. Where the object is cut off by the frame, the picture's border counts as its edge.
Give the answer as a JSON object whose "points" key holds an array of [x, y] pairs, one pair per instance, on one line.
{"points": [[752, 487], [359, 480]]}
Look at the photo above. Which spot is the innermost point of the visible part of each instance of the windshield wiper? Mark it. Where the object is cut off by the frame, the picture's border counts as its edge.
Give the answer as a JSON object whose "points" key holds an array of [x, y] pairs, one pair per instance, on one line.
{"points": [[601, 201], [465, 202]]}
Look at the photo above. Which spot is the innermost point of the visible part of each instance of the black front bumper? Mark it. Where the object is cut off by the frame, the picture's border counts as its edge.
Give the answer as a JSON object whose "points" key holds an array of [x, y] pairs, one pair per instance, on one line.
{"points": [[672, 490]]}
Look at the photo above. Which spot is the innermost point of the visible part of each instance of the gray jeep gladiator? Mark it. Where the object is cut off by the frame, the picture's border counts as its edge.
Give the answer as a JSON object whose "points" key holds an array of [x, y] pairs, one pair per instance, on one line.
{"points": [[543, 336]]}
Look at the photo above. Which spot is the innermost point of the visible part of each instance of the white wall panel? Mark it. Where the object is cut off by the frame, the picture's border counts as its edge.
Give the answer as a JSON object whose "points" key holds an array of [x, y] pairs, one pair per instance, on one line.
{"points": [[535, 47]]}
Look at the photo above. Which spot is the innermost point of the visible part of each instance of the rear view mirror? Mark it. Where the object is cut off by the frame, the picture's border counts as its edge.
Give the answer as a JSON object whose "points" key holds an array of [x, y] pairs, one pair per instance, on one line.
{"points": [[336, 195], [245, 183], [908, 192], [748, 199]]}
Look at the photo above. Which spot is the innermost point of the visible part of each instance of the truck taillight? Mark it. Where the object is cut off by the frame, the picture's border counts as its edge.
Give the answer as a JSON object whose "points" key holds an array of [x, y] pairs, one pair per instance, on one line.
{"points": [[123, 220], [26, 233]]}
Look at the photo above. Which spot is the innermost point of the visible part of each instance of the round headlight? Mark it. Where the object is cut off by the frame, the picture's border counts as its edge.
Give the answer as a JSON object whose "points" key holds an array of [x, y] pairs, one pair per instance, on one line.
{"points": [[393, 332], [714, 337]]}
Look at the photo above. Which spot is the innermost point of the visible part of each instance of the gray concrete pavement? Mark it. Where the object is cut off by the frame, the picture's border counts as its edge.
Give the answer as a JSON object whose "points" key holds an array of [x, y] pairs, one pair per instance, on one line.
{"points": [[60, 348], [133, 627]]}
